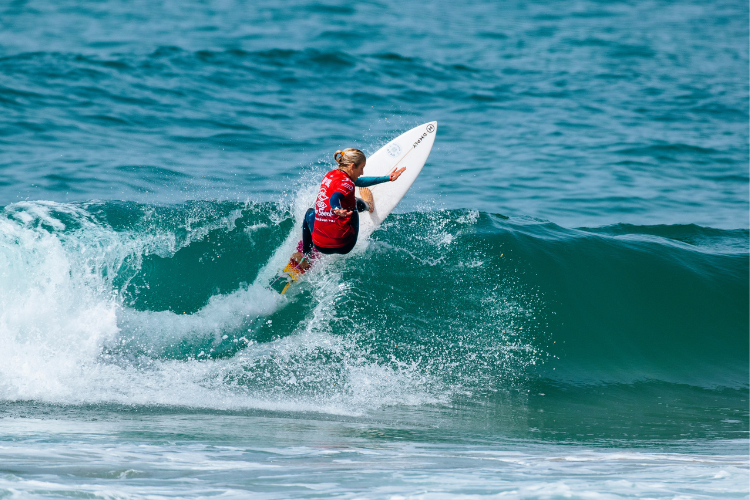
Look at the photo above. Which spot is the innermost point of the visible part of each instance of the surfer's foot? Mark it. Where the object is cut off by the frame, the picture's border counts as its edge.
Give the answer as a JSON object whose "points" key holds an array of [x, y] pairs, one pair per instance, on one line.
{"points": [[366, 195], [302, 260]]}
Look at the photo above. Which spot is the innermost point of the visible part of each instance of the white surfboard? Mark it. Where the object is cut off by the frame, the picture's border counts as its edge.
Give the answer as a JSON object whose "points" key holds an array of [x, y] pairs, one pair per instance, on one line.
{"points": [[409, 150]]}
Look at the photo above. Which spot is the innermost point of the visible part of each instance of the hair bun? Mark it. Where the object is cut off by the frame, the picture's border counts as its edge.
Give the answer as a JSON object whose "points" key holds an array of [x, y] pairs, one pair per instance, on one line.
{"points": [[349, 156]]}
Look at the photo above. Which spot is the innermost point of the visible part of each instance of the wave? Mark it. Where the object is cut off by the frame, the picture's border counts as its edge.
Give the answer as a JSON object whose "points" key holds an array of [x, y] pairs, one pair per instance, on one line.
{"points": [[132, 303]]}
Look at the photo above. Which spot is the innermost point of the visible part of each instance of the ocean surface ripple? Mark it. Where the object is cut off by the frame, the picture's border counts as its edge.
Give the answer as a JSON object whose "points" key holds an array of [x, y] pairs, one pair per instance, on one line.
{"points": [[585, 113], [559, 308]]}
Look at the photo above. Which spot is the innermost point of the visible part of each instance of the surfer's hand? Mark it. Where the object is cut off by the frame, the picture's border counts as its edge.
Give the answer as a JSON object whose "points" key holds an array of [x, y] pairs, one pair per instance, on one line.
{"points": [[341, 212], [394, 174]]}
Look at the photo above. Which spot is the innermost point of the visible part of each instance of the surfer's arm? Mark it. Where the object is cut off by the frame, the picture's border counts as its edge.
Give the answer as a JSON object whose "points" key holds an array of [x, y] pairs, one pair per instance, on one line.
{"points": [[372, 180], [364, 182], [337, 198]]}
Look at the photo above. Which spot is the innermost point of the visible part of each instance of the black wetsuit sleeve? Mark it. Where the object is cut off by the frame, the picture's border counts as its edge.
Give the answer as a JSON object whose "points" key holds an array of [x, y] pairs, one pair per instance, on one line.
{"points": [[337, 198]]}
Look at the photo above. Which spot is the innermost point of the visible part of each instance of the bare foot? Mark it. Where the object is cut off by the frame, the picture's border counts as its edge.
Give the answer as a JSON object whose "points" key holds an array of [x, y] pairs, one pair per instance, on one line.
{"points": [[366, 195], [302, 264]]}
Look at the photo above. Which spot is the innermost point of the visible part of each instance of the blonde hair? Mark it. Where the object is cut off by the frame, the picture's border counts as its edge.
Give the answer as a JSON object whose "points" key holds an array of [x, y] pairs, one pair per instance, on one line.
{"points": [[349, 155]]}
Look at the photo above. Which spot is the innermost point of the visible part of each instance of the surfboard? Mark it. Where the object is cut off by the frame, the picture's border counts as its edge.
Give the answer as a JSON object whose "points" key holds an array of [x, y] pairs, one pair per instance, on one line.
{"points": [[411, 150]]}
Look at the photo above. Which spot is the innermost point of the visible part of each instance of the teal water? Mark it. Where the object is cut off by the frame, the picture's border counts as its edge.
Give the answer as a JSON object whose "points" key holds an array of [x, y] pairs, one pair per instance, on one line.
{"points": [[481, 354], [558, 308]]}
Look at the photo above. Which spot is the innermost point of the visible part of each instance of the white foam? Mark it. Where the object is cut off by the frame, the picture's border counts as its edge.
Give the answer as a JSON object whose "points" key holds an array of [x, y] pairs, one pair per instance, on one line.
{"points": [[53, 312], [159, 330], [61, 322]]}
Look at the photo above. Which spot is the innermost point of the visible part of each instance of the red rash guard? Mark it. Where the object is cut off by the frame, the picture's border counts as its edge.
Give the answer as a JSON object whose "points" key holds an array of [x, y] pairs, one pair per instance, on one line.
{"points": [[330, 230]]}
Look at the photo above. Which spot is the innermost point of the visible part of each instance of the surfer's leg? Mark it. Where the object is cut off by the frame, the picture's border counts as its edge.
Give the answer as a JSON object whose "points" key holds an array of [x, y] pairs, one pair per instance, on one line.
{"points": [[354, 222], [307, 228], [348, 247]]}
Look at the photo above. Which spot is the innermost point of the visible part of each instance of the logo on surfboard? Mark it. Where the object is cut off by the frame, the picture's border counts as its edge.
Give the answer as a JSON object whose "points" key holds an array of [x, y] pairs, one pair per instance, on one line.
{"points": [[430, 128], [393, 150]]}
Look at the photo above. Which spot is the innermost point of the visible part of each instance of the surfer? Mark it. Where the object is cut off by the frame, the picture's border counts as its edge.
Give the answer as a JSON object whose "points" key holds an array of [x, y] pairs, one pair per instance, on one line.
{"points": [[333, 225]]}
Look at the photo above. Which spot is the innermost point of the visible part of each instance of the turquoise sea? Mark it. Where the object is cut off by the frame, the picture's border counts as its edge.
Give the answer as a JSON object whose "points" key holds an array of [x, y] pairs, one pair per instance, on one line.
{"points": [[559, 308]]}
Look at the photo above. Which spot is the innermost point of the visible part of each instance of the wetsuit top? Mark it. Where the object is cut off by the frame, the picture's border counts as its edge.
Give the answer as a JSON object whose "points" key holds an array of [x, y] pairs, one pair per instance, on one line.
{"points": [[337, 191]]}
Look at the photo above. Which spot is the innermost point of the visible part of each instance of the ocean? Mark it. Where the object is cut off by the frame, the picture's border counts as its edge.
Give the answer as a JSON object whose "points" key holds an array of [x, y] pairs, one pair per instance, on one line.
{"points": [[559, 307]]}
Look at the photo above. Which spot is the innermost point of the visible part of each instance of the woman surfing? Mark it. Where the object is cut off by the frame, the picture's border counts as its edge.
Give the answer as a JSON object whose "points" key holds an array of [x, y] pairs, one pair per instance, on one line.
{"points": [[332, 226]]}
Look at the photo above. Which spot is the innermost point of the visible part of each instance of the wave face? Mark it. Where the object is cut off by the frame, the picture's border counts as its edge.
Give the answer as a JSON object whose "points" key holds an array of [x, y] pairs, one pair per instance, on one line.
{"points": [[167, 305]]}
